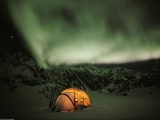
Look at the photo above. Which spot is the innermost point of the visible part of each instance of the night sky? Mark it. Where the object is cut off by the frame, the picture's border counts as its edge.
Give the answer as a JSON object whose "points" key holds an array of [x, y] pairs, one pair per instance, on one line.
{"points": [[58, 32]]}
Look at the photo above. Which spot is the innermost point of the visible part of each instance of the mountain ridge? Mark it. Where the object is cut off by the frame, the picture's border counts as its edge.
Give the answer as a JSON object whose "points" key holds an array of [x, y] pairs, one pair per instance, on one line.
{"points": [[18, 68]]}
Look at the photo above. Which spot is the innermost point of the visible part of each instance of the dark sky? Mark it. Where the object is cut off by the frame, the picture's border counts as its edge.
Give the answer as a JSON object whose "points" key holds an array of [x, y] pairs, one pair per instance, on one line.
{"points": [[11, 39], [126, 21]]}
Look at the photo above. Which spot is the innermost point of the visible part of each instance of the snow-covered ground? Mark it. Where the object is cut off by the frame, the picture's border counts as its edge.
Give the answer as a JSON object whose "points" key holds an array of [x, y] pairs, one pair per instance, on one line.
{"points": [[27, 103]]}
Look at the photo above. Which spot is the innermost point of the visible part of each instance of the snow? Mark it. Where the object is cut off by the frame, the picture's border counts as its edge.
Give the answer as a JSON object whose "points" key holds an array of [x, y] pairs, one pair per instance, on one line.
{"points": [[27, 103]]}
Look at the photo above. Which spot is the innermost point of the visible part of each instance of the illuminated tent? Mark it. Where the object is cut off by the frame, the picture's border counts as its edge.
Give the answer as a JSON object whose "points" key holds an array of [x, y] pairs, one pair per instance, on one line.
{"points": [[71, 99]]}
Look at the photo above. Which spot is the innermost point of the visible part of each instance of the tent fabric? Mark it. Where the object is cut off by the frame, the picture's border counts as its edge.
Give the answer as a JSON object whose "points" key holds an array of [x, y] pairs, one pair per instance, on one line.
{"points": [[70, 99], [63, 102]]}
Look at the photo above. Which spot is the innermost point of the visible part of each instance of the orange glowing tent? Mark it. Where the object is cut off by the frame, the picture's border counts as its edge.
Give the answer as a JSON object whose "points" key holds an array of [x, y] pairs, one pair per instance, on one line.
{"points": [[71, 99]]}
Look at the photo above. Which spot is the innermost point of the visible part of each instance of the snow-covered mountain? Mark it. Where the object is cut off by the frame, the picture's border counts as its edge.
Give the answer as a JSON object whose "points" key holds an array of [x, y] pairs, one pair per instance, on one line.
{"points": [[152, 77], [122, 80], [17, 68]]}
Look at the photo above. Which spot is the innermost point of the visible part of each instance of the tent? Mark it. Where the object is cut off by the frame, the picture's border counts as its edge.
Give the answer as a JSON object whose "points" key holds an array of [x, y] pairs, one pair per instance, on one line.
{"points": [[71, 99]]}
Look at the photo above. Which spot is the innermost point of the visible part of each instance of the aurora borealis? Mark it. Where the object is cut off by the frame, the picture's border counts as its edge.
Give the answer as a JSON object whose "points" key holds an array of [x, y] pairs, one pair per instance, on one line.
{"points": [[89, 31]]}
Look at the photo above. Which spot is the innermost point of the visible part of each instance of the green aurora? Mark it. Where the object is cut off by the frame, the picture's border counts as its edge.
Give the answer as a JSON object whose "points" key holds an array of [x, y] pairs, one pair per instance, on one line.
{"points": [[85, 31]]}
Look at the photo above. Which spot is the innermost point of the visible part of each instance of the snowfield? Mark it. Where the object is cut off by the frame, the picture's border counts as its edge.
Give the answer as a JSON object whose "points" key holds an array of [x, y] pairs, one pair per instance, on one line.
{"points": [[26, 103]]}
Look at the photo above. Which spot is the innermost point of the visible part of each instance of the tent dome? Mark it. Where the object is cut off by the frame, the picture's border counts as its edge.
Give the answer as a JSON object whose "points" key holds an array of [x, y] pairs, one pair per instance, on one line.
{"points": [[71, 99]]}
